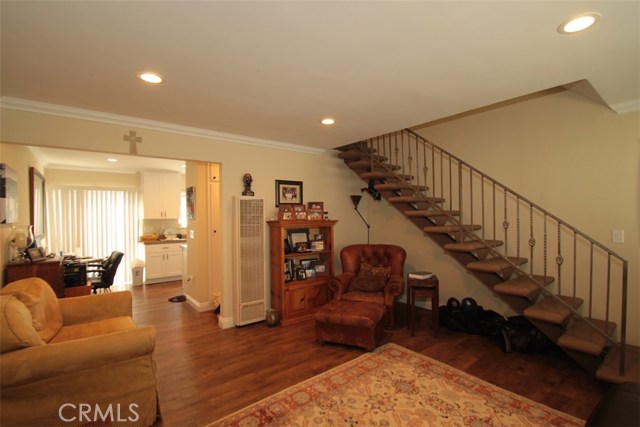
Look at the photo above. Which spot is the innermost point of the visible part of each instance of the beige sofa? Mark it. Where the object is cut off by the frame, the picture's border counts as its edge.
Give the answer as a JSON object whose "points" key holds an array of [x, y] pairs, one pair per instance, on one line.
{"points": [[74, 361]]}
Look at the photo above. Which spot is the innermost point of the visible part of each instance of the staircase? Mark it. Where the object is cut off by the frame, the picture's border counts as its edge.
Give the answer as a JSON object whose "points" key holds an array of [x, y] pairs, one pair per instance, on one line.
{"points": [[568, 285]]}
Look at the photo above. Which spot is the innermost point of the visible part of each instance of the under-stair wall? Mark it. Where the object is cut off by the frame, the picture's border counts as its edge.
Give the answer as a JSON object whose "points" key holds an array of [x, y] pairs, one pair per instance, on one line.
{"points": [[523, 240]]}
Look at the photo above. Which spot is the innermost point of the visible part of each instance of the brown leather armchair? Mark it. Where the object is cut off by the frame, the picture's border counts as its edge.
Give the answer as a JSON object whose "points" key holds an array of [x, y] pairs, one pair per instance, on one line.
{"points": [[373, 273]]}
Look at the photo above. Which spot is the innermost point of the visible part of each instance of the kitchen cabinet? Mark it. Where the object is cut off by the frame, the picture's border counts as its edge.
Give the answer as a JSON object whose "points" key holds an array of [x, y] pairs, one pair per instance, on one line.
{"points": [[161, 195], [163, 262]]}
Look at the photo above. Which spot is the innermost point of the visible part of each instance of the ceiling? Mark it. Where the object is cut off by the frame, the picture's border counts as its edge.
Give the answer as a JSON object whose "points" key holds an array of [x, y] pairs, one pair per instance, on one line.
{"points": [[56, 158], [272, 70]]}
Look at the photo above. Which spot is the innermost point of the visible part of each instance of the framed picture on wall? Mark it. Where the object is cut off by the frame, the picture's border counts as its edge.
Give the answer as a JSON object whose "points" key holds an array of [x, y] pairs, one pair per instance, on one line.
{"points": [[288, 192], [191, 202], [8, 195]]}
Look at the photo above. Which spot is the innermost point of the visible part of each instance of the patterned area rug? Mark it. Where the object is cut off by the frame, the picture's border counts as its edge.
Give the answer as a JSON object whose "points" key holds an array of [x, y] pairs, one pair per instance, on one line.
{"points": [[394, 386]]}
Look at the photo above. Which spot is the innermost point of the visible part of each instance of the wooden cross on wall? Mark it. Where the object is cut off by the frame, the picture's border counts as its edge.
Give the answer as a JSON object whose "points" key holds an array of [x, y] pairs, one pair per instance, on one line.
{"points": [[133, 140]]}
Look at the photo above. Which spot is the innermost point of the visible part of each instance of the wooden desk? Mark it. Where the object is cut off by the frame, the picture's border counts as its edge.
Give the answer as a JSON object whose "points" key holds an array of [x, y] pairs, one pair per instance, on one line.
{"points": [[423, 288], [50, 270]]}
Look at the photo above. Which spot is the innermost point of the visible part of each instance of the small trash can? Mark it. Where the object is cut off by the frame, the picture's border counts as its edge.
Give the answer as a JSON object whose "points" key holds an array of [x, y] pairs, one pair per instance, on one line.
{"points": [[137, 271]]}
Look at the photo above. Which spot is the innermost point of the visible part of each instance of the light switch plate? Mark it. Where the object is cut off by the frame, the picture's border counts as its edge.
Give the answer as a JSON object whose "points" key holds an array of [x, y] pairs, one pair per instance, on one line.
{"points": [[617, 236], [192, 234]]}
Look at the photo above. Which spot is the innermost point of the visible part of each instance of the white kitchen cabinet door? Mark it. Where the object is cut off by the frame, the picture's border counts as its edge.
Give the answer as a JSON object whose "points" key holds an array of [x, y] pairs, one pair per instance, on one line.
{"points": [[163, 262], [161, 195]]}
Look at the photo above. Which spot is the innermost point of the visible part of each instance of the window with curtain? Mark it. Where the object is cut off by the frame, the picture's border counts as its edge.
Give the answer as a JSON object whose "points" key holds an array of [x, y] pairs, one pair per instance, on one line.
{"points": [[94, 222]]}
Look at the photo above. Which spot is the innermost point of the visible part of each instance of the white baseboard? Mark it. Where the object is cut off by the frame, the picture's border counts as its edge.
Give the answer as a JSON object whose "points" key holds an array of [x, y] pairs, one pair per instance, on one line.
{"points": [[200, 306], [225, 322]]}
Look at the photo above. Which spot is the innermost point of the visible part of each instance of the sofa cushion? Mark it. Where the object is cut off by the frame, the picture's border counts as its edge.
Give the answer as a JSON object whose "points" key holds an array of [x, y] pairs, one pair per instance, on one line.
{"points": [[92, 329], [16, 326], [42, 301]]}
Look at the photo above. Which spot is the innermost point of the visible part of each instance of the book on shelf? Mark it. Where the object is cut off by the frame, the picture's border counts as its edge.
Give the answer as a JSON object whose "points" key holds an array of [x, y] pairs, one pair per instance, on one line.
{"points": [[421, 275]]}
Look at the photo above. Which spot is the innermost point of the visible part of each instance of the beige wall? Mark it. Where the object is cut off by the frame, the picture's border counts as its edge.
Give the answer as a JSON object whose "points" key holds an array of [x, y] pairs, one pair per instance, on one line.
{"points": [[575, 158], [324, 176]]}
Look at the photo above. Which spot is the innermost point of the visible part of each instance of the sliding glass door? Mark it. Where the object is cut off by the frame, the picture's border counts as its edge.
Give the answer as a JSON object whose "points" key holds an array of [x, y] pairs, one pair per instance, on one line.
{"points": [[94, 222]]}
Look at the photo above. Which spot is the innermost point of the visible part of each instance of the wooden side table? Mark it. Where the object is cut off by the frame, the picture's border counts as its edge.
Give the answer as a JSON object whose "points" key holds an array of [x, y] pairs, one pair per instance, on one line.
{"points": [[424, 288]]}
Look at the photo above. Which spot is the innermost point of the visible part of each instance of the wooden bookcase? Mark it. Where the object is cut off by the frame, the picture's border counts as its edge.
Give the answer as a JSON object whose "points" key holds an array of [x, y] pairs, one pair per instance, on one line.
{"points": [[296, 300]]}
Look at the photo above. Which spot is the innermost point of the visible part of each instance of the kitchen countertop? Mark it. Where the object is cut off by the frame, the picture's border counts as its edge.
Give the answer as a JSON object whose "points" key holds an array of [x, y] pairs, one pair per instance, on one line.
{"points": [[165, 241]]}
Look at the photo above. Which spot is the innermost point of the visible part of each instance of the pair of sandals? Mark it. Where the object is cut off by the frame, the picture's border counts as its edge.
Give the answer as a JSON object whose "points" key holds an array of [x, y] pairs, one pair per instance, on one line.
{"points": [[178, 298]]}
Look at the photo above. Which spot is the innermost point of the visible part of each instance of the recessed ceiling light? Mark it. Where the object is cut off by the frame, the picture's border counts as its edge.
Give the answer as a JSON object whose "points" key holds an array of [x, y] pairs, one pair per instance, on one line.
{"points": [[150, 77], [579, 23], [112, 160], [328, 121]]}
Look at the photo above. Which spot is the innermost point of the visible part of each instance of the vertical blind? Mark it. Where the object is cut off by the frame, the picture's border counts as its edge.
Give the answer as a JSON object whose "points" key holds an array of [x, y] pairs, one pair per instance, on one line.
{"points": [[94, 222]]}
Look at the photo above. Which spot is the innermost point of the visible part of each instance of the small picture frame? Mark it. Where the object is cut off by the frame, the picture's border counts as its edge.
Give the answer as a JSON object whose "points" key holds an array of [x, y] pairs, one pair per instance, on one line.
{"points": [[315, 211], [35, 254], [310, 273], [288, 192], [308, 262], [300, 273], [302, 247], [321, 268], [287, 247], [285, 213], [297, 236], [317, 245], [318, 236], [300, 212], [287, 276]]}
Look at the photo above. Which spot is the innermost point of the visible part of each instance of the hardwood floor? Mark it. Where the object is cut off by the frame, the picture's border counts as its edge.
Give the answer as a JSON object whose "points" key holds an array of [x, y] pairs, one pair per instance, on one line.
{"points": [[205, 372]]}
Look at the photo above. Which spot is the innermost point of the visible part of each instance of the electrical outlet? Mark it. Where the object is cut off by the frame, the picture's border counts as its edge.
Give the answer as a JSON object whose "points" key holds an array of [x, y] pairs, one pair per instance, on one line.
{"points": [[617, 236]]}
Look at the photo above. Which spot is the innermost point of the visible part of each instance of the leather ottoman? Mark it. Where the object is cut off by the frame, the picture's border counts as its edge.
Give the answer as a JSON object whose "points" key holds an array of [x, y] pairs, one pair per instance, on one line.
{"points": [[348, 322]]}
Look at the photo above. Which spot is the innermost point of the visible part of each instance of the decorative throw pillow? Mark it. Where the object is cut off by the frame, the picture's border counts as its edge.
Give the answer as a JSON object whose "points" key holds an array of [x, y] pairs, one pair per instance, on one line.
{"points": [[16, 327], [42, 302], [367, 270], [370, 278]]}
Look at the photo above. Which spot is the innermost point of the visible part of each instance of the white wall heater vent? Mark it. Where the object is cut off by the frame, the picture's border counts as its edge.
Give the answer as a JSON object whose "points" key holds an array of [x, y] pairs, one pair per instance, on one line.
{"points": [[249, 284]]}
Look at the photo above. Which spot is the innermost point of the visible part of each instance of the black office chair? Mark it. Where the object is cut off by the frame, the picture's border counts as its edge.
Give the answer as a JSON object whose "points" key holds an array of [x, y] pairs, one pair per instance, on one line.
{"points": [[101, 274]]}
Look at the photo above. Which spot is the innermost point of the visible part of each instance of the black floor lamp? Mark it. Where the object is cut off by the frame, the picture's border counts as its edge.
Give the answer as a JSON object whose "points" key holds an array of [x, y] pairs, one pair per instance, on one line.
{"points": [[355, 198]]}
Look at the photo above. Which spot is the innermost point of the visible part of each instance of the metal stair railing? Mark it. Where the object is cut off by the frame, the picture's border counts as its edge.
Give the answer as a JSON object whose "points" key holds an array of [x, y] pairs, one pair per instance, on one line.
{"points": [[596, 272]]}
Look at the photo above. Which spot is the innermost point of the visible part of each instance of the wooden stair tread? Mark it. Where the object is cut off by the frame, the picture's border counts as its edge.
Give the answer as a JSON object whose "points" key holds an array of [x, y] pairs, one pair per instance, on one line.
{"points": [[351, 155], [584, 338], [495, 265], [551, 311], [609, 372], [472, 245], [393, 186], [414, 199], [429, 213], [366, 165], [444, 229], [380, 174], [523, 286]]}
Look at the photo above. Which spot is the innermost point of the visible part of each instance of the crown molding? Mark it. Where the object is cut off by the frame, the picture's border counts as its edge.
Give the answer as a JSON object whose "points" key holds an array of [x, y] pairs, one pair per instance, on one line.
{"points": [[626, 107], [116, 119]]}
